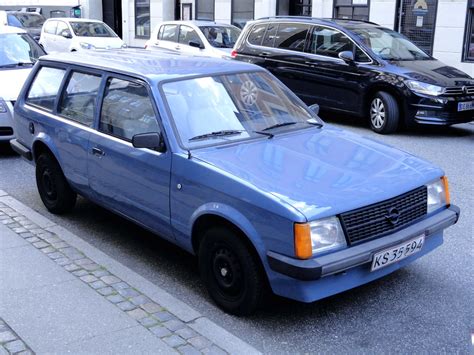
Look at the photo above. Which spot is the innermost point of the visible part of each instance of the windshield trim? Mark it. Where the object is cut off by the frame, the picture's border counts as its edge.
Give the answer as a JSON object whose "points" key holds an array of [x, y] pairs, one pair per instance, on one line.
{"points": [[233, 141]]}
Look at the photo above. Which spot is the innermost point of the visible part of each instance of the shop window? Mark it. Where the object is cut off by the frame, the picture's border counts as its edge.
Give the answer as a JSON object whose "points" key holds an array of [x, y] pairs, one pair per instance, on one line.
{"points": [[142, 18], [205, 10], [294, 7], [468, 55], [242, 11]]}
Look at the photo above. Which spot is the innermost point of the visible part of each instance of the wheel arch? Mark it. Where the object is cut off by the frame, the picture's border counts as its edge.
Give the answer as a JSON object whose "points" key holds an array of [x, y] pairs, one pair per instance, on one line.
{"points": [[41, 146], [373, 89]]}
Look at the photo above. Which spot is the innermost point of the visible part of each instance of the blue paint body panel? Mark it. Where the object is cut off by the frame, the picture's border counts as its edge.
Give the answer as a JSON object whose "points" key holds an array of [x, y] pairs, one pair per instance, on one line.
{"points": [[263, 186]]}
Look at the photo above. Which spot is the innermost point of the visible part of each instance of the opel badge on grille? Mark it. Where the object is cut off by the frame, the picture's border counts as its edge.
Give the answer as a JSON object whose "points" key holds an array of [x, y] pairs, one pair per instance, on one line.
{"points": [[393, 215]]}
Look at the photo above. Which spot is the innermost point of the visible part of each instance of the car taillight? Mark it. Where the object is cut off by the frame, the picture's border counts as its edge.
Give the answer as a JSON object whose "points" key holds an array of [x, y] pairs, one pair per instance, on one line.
{"points": [[233, 54]]}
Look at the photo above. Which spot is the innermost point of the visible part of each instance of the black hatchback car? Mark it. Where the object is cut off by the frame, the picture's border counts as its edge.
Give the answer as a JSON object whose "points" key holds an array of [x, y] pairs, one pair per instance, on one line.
{"points": [[360, 68]]}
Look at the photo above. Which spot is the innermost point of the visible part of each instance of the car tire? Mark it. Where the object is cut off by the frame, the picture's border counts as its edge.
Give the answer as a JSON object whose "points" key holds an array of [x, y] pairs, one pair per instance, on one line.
{"points": [[231, 273], [384, 113], [53, 188]]}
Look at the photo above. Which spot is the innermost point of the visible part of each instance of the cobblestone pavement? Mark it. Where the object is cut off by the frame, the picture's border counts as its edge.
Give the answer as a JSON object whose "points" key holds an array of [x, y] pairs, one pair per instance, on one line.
{"points": [[151, 315], [10, 342]]}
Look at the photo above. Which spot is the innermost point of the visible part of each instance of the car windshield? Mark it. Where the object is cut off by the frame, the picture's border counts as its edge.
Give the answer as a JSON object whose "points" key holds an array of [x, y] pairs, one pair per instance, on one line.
{"points": [[92, 29], [29, 20], [224, 108], [390, 45], [18, 49], [221, 36]]}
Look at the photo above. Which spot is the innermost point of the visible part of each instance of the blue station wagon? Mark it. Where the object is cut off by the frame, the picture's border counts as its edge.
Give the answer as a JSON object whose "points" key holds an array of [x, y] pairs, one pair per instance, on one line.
{"points": [[220, 158]]}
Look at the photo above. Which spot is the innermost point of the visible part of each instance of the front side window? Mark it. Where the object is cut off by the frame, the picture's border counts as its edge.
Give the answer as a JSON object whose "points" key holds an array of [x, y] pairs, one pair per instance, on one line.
{"points": [[127, 110], [62, 26], [221, 36], [170, 33], [291, 36], [256, 35], [205, 10], [18, 50], [92, 29], [45, 87], [78, 102], [236, 106], [187, 34], [50, 27], [329, 42], [469, 36], [142, 18]]}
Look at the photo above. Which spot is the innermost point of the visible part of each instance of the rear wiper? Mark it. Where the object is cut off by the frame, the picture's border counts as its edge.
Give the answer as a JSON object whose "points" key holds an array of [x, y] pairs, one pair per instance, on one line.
{"points": [[227, 132], [282, 124]]}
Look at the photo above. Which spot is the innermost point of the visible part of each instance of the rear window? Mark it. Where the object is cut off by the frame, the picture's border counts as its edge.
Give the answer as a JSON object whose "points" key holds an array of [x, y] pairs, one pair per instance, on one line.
{"points": [[256, 34], [291, 36], [45, 87]]}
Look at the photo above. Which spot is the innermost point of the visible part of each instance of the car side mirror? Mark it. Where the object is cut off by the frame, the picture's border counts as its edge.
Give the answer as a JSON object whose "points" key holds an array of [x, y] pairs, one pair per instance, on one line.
{"points": [[196, 44], [149, 140], [66, 34], [314, 108], [347, 56]]}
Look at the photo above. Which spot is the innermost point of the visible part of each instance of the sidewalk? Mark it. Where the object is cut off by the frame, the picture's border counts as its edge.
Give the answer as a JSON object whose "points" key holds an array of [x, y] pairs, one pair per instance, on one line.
{"points": [[59, 294]]}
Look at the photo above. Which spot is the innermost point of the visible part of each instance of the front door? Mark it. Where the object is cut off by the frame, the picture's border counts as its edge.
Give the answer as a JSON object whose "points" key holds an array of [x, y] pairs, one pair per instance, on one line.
{"points": [[131, 181], [186, 35]]}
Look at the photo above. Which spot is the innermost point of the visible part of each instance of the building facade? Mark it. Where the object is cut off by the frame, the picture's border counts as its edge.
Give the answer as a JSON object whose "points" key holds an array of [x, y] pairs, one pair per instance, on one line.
{"points": [[443, 28]]}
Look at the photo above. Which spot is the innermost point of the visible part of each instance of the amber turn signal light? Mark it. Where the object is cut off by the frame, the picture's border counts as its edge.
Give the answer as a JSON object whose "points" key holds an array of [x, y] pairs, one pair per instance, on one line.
{"points": [[446, 189], [303, 246]]}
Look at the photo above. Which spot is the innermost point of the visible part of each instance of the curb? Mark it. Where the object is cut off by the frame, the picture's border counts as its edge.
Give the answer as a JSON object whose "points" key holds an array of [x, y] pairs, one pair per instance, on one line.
{"points": [[195, 320]]}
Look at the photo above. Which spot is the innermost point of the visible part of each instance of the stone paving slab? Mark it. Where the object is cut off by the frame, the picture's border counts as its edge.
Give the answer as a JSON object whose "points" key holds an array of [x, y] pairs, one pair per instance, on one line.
{"points": [[172, 323], [10, 342], [10, 239]]}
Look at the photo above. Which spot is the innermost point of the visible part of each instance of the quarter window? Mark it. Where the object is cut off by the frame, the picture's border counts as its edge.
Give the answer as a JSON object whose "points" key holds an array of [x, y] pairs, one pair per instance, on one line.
{"points": [[127, 110], [256, 35], [270, 35], [170, 33], [45, 87], [291, 36], [78, 102]]}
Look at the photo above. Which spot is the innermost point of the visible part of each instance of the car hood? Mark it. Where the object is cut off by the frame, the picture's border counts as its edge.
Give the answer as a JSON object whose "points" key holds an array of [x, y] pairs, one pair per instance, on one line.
{"points": [[12, 81], [102, 42], [322, 172], [433, 72]]}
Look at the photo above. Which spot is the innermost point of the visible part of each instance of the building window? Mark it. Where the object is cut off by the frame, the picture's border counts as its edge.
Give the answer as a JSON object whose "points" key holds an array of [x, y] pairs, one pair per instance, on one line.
{"points": [[205, 10], [352, 9], [242, 11], [469, 36], [142, 18], [294, 7]]}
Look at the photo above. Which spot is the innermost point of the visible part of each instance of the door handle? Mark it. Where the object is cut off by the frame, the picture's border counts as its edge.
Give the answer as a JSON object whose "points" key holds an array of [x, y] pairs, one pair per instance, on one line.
{"points": [[98, 152], [264, 54]]}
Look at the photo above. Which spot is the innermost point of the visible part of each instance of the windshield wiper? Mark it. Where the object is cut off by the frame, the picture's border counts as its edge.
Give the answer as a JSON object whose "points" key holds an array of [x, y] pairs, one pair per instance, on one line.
{"points": [[313, 122], [281, 124], [227, 132], [19, 64]]}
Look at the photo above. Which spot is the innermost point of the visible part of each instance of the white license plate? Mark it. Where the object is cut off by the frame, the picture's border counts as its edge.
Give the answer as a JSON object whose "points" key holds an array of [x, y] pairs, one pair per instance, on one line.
{"points": [[397, 253], [465, 106]]}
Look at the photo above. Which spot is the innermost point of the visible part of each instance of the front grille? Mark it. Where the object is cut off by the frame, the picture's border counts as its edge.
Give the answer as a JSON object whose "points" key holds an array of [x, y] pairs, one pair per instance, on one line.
{"points": [[458, 90], [6, 131], [372, 221]]}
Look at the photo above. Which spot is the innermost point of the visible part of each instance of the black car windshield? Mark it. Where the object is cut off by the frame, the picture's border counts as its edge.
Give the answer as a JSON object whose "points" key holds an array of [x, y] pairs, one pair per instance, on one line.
{"points": [[221, 36], [30, 20], [224, 108], [91, 29], [18, 49], [389, 45]]}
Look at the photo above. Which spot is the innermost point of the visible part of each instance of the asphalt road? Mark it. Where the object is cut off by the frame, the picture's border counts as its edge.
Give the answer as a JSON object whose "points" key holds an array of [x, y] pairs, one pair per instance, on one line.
{"points": [[425, 307]]}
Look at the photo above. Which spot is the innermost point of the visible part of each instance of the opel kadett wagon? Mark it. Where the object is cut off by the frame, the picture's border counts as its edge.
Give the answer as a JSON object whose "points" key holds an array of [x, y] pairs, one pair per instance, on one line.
{"points": [[220, 158]]}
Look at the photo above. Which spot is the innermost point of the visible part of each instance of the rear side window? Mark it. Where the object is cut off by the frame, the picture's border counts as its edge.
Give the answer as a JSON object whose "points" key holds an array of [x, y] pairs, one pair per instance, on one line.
{"points": [[270, 35], [291, 36], [170, 33], [256, 34], [45, 87], [127, 110], [50, 27], [78, 102]]}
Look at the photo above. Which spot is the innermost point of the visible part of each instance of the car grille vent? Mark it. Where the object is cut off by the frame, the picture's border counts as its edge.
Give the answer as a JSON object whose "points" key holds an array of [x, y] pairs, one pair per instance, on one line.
{"points": [[6, 131], [459, 90], [374, 221]]}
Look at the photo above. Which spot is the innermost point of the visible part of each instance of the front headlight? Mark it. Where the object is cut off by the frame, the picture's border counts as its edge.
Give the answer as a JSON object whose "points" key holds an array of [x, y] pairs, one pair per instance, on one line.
{"points": [[318, 236], [86, 45], [424, 88], [438, 194], [3, 106]]}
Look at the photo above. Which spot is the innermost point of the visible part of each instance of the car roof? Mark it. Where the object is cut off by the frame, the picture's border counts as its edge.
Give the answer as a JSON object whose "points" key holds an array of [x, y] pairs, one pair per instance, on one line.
{"points": [[322, 21], [11, 29], [196, 23], [151, 65], [75, 19]]}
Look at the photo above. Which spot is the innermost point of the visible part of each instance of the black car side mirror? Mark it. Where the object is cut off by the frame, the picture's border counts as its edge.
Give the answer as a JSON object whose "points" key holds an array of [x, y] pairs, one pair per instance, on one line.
{"points": [[196, 44], [314, 108], [149, 140], [347, 56], [66, 34]]}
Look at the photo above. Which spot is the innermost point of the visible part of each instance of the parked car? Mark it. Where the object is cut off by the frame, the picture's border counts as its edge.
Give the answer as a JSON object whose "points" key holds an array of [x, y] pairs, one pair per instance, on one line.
{"points": [[359, 68], [18, 52], [28, 21], [204, 38], [222, 159], [75, 34]]}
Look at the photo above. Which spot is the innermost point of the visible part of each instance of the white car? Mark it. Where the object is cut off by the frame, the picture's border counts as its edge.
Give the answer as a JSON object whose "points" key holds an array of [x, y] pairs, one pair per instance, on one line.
{"points": [[75, 34], [204, 38], [18, 52]]}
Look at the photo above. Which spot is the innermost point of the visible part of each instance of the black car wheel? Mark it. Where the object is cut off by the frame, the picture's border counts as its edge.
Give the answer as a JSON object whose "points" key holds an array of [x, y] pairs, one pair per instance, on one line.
{"points": [[230, 272], [383, 113], [54, 190]]}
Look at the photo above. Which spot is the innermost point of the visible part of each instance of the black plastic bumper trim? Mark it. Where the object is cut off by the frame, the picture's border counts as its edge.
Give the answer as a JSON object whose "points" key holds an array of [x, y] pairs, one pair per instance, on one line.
{"points": [[21, 149], [339, 261]]}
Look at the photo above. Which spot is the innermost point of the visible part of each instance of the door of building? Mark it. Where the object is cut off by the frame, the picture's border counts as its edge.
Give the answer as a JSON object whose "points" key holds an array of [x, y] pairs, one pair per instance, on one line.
{"points": [[112, 15], [416, 20]]}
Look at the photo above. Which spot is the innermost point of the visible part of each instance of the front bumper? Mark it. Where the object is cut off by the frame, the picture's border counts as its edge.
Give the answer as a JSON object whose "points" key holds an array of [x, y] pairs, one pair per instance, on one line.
{"points": [[439, 110], [352, 257]]}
